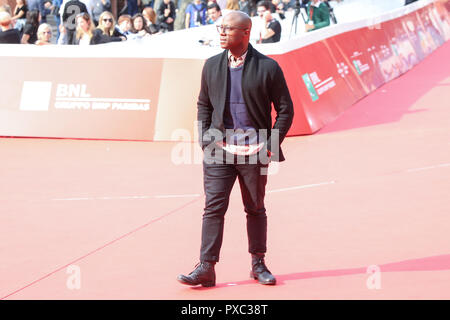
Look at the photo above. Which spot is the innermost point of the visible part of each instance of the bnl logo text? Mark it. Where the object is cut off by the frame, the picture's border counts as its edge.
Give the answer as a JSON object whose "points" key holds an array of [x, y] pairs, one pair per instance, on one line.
{"points": [[71, 91]]}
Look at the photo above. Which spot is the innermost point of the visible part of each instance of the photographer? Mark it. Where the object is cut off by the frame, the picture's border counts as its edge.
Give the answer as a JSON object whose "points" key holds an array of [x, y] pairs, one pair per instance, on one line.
{"points": [[318, 15]]}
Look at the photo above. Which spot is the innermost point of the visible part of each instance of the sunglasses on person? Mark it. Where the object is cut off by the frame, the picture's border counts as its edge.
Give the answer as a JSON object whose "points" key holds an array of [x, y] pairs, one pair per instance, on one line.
{"points": [[107, 20]]}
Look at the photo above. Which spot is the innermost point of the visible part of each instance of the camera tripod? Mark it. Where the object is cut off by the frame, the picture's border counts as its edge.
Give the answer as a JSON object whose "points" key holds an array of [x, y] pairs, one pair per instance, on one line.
{"points": [[297, 11]]}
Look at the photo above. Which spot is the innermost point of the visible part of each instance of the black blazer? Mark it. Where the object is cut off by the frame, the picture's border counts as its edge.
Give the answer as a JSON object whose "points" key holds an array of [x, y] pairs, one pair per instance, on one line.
{"points": [[263, 84]]}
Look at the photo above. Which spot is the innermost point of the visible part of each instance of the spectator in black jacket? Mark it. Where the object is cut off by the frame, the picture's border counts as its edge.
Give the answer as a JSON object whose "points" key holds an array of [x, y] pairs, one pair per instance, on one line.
{"points": [[7, 33], [71, 10], [166, 15], [106, 31], [31, 27]]}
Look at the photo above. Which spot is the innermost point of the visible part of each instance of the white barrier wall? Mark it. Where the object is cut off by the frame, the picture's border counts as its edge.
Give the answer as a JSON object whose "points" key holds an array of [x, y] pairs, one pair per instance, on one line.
{"points": [[148, 90]]}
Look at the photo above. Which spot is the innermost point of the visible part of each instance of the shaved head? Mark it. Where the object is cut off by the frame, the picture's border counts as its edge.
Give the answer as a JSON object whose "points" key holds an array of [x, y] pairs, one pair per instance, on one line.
{"points": [[5, 19], [237, 36], [239, 19]]}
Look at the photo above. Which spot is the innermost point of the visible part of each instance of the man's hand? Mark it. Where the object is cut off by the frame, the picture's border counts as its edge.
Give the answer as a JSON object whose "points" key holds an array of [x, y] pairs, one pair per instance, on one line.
{"points": [[241, 150], [309, 27], [267, 16]]}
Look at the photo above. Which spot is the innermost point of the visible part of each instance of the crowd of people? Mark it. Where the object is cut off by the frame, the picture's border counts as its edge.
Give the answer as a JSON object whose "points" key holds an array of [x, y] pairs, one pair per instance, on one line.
{"points": [[87, 22]]}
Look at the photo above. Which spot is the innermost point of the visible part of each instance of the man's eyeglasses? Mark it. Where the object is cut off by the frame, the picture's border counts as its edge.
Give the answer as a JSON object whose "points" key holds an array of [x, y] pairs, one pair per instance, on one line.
{"points": [[107, 20], [227, 29]]}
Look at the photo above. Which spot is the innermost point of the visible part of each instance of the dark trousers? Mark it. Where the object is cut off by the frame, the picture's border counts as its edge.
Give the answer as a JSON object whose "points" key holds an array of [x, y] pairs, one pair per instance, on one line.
{"points": [[218, 182]]}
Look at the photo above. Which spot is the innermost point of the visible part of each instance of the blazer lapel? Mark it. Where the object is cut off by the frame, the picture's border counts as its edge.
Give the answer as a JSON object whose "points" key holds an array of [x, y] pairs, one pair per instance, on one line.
{"points": [[222, 80], [247, 66]]}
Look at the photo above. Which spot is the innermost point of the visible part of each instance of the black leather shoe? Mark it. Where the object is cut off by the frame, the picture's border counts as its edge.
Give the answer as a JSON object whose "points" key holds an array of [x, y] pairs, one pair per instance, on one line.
{"points": [[260, 272], [203, 274]]}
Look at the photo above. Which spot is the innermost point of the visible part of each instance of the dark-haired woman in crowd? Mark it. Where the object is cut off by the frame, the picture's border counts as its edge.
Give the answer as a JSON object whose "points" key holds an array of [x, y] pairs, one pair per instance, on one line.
{"points": [[139, 28], [31, 27]]}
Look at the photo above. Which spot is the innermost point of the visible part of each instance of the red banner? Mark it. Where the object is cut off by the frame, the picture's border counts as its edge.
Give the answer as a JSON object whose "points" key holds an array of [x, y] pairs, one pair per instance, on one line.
{"points": [[328, 76]]}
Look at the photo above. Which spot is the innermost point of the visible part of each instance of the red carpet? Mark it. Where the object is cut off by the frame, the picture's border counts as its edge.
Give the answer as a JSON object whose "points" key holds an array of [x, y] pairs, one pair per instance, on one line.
{"points": [[369, 189]]}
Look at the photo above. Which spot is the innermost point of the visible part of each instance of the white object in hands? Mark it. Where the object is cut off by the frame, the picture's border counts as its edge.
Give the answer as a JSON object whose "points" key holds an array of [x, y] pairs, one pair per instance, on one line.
{"points": [[241, 150]]}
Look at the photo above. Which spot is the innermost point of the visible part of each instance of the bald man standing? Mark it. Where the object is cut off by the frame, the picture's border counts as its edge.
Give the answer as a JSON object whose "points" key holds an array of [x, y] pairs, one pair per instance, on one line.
{"points": [[238, 88]]}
